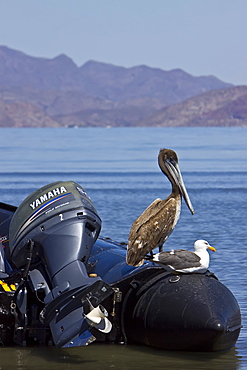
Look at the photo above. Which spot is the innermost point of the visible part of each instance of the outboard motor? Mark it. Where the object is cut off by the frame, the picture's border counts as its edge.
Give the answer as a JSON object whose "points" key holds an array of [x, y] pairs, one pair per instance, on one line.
{"points": [[51, 236]]}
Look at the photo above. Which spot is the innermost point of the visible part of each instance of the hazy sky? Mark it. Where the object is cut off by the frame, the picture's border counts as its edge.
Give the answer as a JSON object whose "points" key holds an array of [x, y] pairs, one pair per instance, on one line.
{"points": [[202, 37]]}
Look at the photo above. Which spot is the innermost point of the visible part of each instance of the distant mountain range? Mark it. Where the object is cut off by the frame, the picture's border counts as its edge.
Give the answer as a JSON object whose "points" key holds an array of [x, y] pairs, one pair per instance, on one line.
{"points": [[40, 92]]}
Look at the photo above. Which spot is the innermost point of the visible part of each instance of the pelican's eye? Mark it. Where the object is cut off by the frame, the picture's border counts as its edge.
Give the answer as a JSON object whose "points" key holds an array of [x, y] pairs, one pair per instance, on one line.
{"points": [[172, 161]]}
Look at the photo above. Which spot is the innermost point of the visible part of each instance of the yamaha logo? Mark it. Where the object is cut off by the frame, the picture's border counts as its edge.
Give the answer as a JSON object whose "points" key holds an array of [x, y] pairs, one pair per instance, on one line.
{"points": [[47, 196]]}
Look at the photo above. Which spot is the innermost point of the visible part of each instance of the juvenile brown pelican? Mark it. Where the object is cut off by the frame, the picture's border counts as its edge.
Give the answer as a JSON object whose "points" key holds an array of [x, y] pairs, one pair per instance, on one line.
{"points": [[151, 229], [182, 260]]}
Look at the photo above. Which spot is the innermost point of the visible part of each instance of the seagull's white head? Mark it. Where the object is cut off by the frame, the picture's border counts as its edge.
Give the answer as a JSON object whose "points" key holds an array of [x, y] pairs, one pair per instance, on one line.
{"points": [[203, 245]]}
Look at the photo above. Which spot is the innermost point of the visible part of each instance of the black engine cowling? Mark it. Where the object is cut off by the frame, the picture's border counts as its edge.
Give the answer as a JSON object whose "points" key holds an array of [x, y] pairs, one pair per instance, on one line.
{"points": [[53, 216], [52, 233]]}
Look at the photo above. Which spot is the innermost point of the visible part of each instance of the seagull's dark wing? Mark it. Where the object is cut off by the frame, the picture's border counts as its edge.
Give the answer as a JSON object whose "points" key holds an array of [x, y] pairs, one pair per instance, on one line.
{"points": [[179, 259]]}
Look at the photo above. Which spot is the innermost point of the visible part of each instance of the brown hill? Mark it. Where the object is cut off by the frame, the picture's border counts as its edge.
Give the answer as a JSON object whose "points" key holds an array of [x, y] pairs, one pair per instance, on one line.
{"points": [[70, 108], [20, 114], [226, 107]]}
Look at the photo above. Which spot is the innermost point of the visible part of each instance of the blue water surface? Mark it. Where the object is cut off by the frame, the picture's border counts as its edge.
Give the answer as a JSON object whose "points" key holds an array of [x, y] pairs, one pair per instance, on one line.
{"points": [[118, 168]]}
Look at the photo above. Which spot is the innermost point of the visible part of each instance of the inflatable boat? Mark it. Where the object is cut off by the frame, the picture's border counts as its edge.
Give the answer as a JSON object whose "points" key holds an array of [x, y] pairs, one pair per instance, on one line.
{"points": [[63, 285]]}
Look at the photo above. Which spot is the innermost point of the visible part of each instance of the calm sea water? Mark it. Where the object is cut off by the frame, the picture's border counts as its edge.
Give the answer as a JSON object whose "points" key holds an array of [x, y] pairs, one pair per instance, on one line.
{"points": [[118, 168]]}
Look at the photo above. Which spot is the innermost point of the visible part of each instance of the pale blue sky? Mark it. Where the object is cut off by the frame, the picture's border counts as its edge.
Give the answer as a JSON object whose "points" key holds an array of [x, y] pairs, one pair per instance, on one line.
{"points": [[202, 37]]}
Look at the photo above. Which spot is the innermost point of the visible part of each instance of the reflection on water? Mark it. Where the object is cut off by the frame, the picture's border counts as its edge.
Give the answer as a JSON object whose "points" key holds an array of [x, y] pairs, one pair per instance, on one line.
{"points": [[101, 356]]}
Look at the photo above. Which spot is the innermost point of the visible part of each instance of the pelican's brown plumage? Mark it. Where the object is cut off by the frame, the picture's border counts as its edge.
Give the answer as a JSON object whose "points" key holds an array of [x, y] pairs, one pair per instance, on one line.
{"points": [[151, 229]]}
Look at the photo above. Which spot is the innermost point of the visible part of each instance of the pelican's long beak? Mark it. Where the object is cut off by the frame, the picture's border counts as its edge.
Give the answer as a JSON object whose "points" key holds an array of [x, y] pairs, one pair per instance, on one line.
{"points": [[212, 248], [174, 171]]}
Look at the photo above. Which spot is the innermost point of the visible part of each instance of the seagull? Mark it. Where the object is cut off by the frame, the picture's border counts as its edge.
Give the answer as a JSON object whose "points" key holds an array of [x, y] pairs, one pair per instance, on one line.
{"points": [[151, 229], [181, 260]]}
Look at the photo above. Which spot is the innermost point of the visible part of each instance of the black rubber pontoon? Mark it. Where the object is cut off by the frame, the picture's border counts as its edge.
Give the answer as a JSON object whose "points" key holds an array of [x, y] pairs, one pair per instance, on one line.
{"points": [[59, 280]]}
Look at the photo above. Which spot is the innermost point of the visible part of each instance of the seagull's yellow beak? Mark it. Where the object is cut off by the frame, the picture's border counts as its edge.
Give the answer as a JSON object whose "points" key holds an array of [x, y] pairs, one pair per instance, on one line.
{"points": [[212, 248]]}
